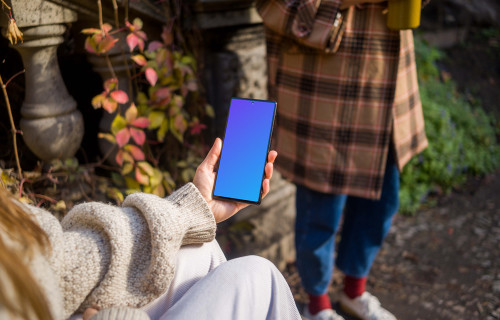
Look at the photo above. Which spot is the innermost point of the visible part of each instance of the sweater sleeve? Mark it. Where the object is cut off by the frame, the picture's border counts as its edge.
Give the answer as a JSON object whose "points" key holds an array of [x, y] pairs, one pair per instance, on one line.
{"points": [[124, 256], [121, 313], [318, 24]]}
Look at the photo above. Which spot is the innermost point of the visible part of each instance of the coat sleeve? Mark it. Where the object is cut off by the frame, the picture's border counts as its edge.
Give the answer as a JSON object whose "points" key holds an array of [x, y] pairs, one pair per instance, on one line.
{"points": [[314, 23], [124, 256]]}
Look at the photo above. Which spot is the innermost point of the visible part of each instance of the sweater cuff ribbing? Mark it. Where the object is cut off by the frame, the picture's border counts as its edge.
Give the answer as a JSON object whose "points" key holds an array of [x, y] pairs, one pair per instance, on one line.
{"points": [[121, 313], [195, 209]]}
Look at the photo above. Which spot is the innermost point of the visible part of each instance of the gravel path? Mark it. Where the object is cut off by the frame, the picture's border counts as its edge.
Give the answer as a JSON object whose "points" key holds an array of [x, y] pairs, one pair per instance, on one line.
{"points": [[443, 263]]}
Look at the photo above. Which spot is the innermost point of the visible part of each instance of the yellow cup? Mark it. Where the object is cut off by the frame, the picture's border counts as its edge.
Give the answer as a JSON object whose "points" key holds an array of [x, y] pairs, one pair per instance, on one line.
{"points": [[403, 14]]}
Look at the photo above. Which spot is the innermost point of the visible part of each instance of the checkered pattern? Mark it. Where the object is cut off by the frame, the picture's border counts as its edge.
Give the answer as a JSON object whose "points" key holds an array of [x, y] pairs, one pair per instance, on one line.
{"points": [[346, 88]]}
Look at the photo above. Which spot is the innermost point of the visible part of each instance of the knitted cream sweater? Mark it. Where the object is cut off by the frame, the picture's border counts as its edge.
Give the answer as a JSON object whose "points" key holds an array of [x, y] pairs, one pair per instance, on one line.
{"points": [[103, 255]]}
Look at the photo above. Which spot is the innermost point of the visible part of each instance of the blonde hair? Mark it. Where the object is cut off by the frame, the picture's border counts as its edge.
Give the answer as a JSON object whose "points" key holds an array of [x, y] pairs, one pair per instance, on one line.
{"points": [[20, 295]]}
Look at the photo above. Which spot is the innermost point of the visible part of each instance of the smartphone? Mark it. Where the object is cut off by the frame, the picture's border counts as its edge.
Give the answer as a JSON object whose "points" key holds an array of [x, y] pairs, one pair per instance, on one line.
{"points": [[245, 146]]}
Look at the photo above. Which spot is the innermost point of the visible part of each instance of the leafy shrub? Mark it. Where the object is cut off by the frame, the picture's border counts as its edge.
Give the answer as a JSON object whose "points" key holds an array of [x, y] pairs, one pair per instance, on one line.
{"points": [[462, 137]]}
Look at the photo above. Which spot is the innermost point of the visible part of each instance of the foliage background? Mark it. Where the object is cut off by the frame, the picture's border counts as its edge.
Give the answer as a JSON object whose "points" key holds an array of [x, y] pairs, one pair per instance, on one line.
{"points": [[462, 136]]}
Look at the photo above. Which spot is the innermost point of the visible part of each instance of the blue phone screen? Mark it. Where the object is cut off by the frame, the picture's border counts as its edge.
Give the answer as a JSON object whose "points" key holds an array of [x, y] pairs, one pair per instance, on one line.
{"points": [[244, 151]]}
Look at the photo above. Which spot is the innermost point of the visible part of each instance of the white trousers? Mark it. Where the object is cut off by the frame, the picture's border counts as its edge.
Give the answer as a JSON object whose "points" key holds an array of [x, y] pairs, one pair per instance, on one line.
{"points": [[206, 286]]}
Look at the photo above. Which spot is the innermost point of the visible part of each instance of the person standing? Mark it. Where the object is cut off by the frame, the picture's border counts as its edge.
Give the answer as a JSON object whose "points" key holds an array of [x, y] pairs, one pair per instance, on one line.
{"points": [[349, 118]]}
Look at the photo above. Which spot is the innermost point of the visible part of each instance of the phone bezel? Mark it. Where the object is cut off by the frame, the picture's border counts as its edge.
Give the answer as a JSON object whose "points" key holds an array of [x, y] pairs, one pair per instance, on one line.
{"points": [[265, 158]]}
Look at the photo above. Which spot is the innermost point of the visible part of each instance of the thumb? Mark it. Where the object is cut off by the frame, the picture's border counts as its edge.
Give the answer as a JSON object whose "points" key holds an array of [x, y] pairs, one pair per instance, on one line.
{"points": [[213, 155]]}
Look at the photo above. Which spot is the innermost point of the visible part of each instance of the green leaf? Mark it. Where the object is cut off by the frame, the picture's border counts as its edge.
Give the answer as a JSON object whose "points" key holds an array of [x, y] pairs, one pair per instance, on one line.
{"points": [[146, 167], [127, 168], [209, 111], [163, 130], [118, 123], [156, 119], [132, 184], [142, 98], [107, 136]]}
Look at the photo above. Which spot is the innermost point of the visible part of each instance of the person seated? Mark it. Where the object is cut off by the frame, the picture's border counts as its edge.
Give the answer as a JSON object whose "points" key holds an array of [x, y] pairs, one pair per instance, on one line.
{"points": [[151, 258]]}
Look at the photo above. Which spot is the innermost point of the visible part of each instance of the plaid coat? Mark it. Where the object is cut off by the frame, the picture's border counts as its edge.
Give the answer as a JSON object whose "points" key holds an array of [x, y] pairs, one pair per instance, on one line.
{"points": [[346, 88]]}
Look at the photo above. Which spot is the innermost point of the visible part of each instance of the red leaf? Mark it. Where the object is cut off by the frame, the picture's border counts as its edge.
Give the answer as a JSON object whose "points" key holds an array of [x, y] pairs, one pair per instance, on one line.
{"points": [[106, 44], [141, 122], [140, 177], [136, 152], [119, 96], [197, 128], [151, 76], [122, 137], [166, 36], [138, 135], [153, 46], [132, 41], [119, 157]]}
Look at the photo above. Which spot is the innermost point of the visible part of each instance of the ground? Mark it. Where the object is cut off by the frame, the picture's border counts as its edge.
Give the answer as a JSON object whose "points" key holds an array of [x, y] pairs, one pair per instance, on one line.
{"points": [[441, 263], [444, 262]]}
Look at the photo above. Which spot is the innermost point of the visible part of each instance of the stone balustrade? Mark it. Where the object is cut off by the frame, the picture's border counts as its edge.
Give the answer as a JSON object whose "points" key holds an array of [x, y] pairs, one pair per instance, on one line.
{"points": [[234, 57]]}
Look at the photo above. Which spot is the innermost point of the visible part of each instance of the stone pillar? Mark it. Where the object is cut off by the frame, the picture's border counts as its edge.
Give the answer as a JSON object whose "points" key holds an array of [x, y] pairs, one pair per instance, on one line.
{"points": [[51, 124]]}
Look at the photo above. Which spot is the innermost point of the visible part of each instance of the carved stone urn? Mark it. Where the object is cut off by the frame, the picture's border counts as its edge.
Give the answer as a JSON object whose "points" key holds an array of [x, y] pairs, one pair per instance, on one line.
{"points": [[51, 124]]}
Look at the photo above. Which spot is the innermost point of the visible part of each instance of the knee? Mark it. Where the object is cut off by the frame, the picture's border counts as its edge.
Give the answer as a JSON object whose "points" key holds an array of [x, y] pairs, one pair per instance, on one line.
{"points": [[252, 266]]}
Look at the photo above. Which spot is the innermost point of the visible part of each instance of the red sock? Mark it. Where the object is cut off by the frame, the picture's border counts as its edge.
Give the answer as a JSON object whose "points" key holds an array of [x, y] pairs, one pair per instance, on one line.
{"points": [[354, 287], [319, 303]]}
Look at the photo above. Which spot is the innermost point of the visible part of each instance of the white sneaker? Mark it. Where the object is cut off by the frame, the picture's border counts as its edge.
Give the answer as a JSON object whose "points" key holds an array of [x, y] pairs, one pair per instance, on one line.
{"points": [[365, 307], [327, 314]]}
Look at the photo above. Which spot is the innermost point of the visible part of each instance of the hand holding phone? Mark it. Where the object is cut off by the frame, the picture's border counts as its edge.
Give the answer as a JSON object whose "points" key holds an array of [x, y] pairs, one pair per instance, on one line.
{"points": [[244, 151], [204, 180]]}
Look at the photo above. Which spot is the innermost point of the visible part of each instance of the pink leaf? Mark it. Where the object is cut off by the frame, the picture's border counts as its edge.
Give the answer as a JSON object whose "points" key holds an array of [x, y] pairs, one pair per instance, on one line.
{"points": [[180, 123], [122, 137], [119, 96], [153, 46], [90, 45], [139, 59], [141, 122], [138, 135], [142, 35], [109, 105], [110, 84], [140, 43], [119, 157], [140, 177], [151, 76], [106, 27], [136, 152], [192, 85], [132, 41]]}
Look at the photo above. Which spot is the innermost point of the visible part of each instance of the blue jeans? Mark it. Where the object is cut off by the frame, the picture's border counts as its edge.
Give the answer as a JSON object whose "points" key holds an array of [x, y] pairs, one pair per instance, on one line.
{"points": [[366, 223]]}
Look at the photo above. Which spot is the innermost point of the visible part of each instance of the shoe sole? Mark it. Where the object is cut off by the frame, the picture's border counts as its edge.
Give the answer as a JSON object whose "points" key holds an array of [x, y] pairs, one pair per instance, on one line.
{"points": [[349, 311]]}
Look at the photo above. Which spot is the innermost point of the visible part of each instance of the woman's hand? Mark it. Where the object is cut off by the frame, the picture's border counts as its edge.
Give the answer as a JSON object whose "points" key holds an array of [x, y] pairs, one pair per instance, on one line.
{"points": [[89, 313], [204, 180]]}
